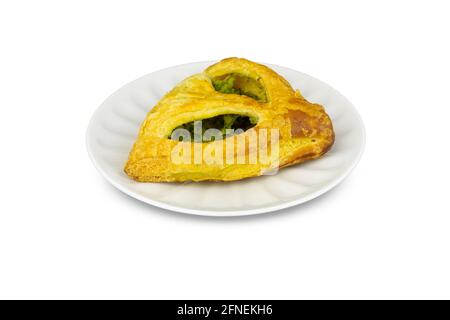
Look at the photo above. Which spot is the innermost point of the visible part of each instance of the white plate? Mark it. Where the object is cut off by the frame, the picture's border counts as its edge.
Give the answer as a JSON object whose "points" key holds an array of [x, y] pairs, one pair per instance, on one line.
{"points": [[114, 127]]}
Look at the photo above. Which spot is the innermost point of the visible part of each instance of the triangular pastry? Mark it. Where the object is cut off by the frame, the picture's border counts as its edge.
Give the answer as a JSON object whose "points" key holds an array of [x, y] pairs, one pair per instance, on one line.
{"points": [[237, 119]]}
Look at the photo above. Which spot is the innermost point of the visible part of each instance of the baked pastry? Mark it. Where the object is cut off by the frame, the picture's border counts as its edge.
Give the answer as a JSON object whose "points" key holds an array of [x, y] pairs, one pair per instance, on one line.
{"points": [[233, 94]]}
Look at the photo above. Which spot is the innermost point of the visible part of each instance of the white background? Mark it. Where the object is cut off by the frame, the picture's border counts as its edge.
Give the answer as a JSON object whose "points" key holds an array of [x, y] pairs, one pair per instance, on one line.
{"points": [[66, 233]]}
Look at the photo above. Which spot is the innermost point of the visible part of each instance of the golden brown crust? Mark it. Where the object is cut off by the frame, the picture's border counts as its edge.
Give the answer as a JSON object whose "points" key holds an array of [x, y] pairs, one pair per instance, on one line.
{"points": [[305, 130]]}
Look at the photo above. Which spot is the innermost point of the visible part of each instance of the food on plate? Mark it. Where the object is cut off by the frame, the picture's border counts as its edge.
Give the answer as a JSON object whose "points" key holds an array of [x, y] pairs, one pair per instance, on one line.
{"points": [[237, 119]]}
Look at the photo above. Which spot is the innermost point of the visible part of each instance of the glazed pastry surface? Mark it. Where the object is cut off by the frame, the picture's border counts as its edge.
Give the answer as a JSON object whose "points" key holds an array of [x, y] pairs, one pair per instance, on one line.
{"points": [[241, 91]]}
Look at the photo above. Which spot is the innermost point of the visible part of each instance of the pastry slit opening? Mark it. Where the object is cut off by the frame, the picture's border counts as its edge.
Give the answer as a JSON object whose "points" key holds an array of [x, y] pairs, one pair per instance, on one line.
{"points": [[236, 83], [214, 128]]}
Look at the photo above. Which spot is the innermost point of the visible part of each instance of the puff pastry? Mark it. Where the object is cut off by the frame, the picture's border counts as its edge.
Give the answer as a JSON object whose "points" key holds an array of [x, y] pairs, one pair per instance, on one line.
{"points": [[233, 93]]}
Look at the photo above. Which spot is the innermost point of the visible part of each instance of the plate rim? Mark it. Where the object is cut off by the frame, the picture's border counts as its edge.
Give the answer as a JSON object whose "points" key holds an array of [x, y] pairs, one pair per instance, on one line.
{"points": [[224, 213]]}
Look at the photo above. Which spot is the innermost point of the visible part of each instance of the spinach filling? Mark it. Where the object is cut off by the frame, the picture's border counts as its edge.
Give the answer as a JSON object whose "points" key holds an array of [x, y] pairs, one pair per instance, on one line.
{"points": [[238, 123], [240, 84]]}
